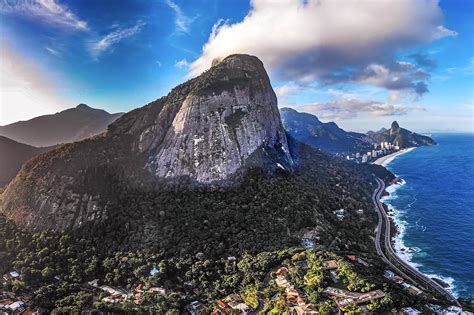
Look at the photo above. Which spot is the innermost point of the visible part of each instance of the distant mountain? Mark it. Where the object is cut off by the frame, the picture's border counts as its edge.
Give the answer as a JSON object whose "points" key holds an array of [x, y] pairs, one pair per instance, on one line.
{"points": [[401, 137], [12, 156], [382, 130], [325, 136], [70, 125]]}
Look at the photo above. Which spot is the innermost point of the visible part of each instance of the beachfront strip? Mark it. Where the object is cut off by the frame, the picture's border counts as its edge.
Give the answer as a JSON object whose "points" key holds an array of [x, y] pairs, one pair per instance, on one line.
{"points": [[379, 150]]}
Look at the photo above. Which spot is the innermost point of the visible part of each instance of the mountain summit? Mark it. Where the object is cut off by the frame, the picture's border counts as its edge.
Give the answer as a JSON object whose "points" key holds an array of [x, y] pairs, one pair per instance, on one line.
{"points": [[401, 137], [203, 132], [395, 126]]}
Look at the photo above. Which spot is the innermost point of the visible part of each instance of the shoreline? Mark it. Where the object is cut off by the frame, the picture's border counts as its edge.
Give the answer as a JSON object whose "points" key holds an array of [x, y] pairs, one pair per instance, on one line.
{"points": [[401, 225], [386, 159]]}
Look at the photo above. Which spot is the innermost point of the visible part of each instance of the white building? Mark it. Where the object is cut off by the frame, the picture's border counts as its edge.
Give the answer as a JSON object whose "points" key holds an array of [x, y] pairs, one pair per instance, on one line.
{"points": [[364, 158], [410, 311]]}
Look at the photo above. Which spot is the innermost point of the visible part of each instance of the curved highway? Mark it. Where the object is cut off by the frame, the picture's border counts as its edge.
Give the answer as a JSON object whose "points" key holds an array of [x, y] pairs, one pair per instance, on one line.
{"points": [[392, 259]]}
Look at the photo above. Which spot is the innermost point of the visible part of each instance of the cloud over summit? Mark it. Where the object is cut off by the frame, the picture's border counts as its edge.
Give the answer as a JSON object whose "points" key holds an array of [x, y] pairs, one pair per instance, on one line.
{"points": [[331, 41]]}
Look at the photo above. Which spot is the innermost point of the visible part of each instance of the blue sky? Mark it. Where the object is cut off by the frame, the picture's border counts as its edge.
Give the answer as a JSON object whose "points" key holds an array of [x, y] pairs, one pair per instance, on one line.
{"points": [[362, 64]]}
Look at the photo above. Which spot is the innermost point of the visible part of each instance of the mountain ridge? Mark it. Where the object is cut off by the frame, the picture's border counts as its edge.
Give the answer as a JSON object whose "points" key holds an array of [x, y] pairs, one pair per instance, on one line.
{"points": [[325, 136], [12, 156], [69, 125]]}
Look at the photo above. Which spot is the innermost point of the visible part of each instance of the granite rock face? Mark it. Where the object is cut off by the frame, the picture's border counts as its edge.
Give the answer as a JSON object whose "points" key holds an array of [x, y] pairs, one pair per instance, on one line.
{"points": [[219, 126], [203, 131]]}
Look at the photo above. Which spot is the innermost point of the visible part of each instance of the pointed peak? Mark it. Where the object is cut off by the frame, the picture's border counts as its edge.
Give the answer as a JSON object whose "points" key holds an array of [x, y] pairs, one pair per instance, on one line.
{"points": [[83, 106], [395, 125]]}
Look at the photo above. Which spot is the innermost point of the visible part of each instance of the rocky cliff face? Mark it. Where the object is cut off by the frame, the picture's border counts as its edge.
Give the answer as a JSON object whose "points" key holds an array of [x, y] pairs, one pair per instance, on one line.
{"points": [[203, 131], [217, 127]]}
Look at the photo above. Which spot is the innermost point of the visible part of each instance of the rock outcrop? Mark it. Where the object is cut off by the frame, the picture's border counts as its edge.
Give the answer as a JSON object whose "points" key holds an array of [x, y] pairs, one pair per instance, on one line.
{"points": [[203, 132], [401, 137]]}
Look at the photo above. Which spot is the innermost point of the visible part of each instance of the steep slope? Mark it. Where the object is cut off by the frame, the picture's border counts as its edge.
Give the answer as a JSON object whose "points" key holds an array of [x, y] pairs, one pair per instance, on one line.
{"points": [[325, 136], [202, 133], [12, 156], [401, 137], [70, 125]]}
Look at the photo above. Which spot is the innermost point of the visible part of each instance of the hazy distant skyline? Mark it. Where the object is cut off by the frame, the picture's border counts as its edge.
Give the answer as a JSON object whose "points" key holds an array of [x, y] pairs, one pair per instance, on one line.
{"points": [[362, 64]]}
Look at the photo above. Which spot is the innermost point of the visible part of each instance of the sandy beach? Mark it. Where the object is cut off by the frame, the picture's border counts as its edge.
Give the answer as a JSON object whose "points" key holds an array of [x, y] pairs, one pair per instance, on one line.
{"points": [[387, 158]]}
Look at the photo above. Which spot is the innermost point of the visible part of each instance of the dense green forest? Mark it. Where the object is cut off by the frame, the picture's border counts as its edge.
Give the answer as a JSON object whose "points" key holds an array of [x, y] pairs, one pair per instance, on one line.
{"points": [[189, 236]]}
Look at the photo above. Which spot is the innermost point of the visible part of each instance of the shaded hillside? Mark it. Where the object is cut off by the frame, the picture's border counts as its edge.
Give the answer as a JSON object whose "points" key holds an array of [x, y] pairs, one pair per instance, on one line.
{"points": [[12, 156], [325, 136], [70, 125], [401, 137]]}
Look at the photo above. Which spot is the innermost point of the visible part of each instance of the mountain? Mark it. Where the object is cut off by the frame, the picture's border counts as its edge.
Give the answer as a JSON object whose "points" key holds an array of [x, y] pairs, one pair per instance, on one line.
{"points": [[325, 136], [12, 156], [204, 132], [401, 137], [70, 125]]}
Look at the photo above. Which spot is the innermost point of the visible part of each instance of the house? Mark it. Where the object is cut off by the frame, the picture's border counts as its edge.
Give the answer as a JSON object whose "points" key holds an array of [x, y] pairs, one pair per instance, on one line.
{"points": [[345, 298], [340, 213], [352, 258], [453, 310], [397, 279], [16, 307], [388, 274], [112, 291], [9, 276], [195, 307], [115, 298], [156, 290], [414, 290], [300, 301], [221, 304], [94, 283], [330, 264], [292, 294], [306, 309], [410, 311], [282, 282], [235, 302], [281, 271]]}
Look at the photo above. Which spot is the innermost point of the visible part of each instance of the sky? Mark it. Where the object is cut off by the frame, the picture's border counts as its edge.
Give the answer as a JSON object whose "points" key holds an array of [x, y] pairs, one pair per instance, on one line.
{"points": [[359, 63]]}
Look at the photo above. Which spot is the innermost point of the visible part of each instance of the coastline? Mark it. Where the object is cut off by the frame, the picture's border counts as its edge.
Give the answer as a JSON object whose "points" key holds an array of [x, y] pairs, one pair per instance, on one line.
{"points": [[384, 160], [403, 251]]}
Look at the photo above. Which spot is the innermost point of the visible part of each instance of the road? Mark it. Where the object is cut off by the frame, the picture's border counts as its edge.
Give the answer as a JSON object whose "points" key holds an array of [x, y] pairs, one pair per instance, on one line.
{"points": [[392, 259]]}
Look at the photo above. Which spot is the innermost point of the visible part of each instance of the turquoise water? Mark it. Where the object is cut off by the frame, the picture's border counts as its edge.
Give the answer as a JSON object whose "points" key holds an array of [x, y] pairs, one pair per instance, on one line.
{"points": [[435, 209]]}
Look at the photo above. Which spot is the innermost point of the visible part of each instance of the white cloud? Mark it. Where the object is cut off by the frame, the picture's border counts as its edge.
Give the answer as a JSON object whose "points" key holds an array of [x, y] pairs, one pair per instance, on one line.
{"points": [[107, 42], [25, 90], [181, 64], [326, 40], [50, 11], [287, 89], [351, 108], [182, 21]]}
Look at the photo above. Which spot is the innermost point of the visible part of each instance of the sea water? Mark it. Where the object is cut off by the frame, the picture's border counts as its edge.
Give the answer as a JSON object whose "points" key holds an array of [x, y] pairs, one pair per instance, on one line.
{"points": [[433, 207]]}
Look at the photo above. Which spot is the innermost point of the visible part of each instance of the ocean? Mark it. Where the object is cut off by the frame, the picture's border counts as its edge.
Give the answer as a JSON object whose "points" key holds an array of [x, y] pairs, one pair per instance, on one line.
{"points": [[434, 210]]}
